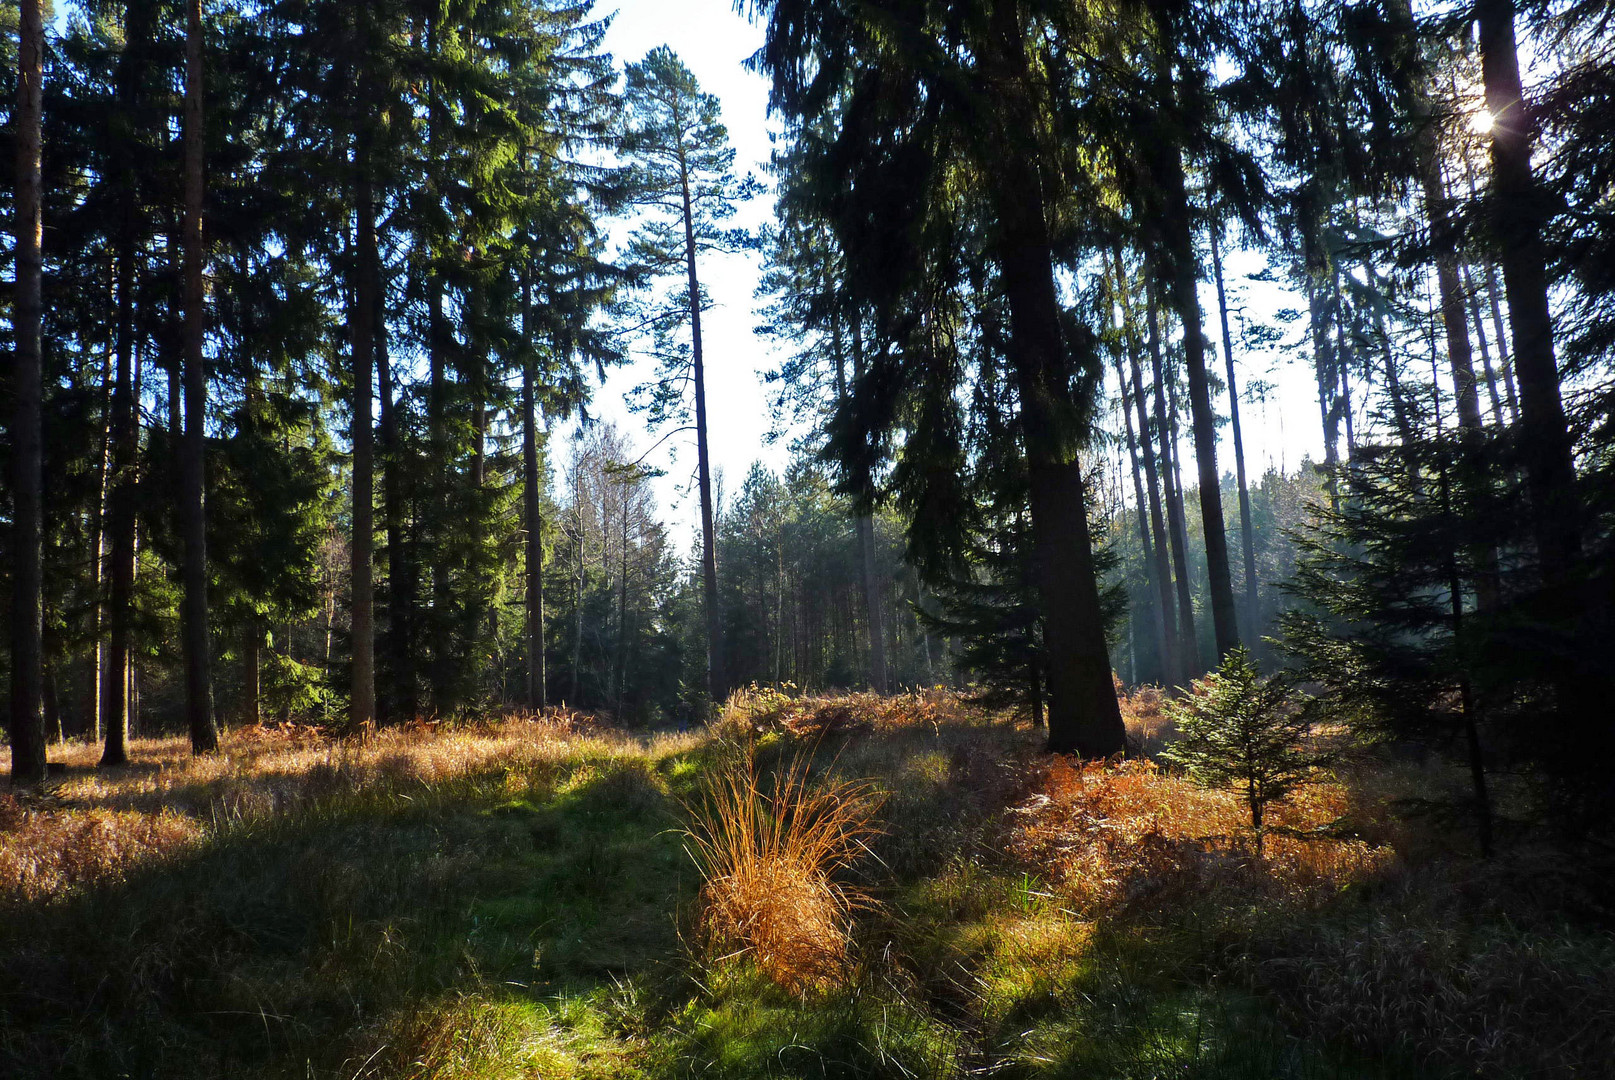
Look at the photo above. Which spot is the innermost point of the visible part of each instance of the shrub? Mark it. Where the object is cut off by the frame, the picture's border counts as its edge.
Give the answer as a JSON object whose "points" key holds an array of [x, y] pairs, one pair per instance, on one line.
{"points": [[1239, 730], [770, 861]]}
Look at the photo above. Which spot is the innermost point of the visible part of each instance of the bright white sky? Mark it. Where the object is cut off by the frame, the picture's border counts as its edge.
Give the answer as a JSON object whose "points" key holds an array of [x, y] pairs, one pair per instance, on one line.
{"points": [[713, 41]]}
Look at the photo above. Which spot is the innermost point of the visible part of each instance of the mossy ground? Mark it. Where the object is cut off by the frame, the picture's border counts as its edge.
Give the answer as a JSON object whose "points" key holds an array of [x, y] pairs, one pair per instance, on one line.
{"points": [[514, 901]]}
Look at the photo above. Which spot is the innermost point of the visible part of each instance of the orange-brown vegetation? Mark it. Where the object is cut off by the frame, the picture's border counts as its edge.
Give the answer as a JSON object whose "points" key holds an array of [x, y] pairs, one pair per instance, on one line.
{"points": [[771, 851]]}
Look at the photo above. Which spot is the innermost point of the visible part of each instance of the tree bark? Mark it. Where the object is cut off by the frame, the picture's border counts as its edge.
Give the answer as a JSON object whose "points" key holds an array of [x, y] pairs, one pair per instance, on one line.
{"points": [[1083, 715], [197, 642], [1247, 530], [1173, 658], [716, 687], [879, 673], [362, 702], [1177, 531], [1518, 215], [27, 443], [252, 639], [532, 512], [402, 701]]}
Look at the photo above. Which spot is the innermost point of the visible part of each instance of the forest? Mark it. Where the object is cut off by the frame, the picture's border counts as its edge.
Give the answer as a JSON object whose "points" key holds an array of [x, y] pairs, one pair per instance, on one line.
{"points": [[407, 679]]}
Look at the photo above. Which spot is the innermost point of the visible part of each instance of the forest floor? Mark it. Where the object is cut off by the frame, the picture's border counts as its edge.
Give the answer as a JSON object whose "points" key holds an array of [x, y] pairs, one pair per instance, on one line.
{"points": [[517, 899]]}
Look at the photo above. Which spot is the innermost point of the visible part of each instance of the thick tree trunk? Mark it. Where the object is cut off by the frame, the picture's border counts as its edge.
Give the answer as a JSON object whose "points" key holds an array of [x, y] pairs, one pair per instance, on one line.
{"points": [[716, 686], [1518, 217], [1177, 531], [1247, 530], [197, 644], [1083, 714]]}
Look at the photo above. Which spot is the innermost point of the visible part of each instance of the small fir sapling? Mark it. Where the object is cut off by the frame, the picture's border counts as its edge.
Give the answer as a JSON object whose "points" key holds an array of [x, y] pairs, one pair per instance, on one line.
{"points": [[1238, 730]]}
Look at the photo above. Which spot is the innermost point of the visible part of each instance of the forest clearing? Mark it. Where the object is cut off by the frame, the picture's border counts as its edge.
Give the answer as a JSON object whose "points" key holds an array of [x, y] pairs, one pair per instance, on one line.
{"points": [[519, 898], [807, 538]]}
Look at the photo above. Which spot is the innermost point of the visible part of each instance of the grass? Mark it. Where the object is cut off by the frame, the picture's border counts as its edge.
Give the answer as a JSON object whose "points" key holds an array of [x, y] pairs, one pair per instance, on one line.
{"points": [[519, 899]]}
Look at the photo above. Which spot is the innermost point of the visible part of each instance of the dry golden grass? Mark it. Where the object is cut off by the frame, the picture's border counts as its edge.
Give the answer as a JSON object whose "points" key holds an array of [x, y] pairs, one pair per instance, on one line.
{"points": [[1134, 835], [1149, 728], [755, 710], [95, 824], [770, 852]]}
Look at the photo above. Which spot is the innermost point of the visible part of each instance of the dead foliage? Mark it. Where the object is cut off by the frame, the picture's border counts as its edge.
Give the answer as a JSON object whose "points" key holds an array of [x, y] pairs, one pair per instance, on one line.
{"points": [[1132, 835], [771, 850]]}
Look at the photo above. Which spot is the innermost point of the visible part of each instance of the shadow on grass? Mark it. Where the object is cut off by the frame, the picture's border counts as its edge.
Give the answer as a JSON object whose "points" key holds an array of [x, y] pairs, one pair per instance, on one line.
{"points": [[301, 944]]}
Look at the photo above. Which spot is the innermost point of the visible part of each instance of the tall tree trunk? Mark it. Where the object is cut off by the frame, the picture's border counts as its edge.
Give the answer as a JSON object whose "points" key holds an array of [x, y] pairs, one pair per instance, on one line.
{"points": [[1156, 621], [252, 639], [193, 513], [123, 496], [1444, 247], [879, 673], [402, 702], [716, 687], [1173, 657], [27, 443], [1178, 264], [532, 512], [1485, 345], [98, 548], [1083, 714], [1247, 530], [1518, 217], [1492, 293], [1323, 347], [362, 702], [1177, 530]]}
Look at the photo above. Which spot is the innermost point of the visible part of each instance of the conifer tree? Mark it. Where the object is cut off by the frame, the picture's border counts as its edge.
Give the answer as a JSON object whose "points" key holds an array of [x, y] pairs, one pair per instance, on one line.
{"points": [[682, 174]]}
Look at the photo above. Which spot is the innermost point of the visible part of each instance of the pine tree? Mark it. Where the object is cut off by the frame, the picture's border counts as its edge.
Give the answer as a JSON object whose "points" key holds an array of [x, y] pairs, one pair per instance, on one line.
{"points": [[683, 174]]}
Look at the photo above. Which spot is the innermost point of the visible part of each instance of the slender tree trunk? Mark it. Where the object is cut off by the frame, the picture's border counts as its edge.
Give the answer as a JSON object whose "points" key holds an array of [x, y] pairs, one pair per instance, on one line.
{"points": [[1518, 215], [1247, 529], [716, 687], [252, 639], [1485, 345], [1083, 714], [98, 550], [362, 700], [27, 443], [1177, 531], [532, 511], [403, 700], [1157, 625], [577, 636], [121, 510], [193, 512], [123, 497], [879, 674], [1323, 348], [1177, 249], [1492, 293], [1173, 657]]}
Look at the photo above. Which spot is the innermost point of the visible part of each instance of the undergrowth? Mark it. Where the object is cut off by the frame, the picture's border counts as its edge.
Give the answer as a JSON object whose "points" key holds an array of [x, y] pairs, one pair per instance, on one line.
{"points": [[893, 887]]}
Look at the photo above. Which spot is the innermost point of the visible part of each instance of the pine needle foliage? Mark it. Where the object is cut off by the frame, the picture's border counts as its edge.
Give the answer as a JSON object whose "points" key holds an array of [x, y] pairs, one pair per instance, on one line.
{"points": [[1239, 730]]}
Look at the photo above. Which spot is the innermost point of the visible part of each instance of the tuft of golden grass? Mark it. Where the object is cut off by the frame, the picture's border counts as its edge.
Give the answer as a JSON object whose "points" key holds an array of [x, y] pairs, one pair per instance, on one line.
{"points": [[770, 856]]}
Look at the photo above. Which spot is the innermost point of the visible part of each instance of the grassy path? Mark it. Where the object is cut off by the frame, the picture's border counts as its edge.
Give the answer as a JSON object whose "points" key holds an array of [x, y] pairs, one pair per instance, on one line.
{"points": [[514, 901]]}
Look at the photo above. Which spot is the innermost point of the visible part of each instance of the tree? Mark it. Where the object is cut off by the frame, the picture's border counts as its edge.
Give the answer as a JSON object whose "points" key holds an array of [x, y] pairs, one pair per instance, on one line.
{"points": [[902, 87], [27, 387], [1237, 729], [682, 173]]}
